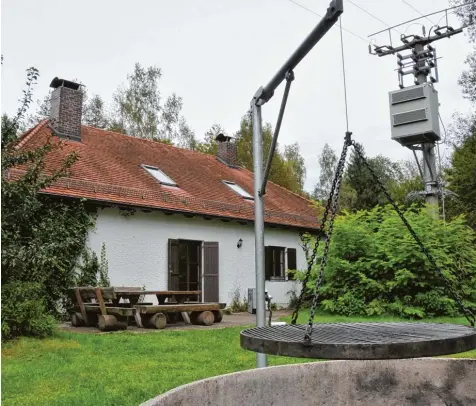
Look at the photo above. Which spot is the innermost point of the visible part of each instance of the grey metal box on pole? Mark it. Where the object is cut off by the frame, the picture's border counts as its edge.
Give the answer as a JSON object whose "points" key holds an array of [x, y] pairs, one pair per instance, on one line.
{"points": [[414, 115]]}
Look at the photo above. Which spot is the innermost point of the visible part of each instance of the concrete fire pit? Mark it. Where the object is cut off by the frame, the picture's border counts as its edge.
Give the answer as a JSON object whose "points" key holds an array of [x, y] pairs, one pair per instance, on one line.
{"points": [[418, 381]]}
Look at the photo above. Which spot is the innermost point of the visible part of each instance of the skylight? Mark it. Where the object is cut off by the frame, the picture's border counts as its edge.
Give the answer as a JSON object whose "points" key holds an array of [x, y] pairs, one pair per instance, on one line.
{"points": [[159, 175], [238, 189]]}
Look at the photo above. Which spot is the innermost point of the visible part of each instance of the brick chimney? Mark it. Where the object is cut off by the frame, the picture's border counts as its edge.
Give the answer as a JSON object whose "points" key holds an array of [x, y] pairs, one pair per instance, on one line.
{"points": [[226, 151], [66, 109]]}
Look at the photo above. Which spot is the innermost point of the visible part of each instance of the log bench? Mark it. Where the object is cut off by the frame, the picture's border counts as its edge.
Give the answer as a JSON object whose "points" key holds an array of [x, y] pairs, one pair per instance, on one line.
{"points": [[106, 316], [157, 316]]}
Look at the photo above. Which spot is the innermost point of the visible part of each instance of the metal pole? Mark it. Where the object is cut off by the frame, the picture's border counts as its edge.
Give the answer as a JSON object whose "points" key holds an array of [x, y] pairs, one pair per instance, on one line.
{"points": [[261, 359], [335, 9], [429, 157], [289, 79]]}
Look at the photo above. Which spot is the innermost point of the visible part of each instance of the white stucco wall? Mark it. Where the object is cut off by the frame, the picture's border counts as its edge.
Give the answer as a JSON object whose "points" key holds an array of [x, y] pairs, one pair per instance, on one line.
{"points": [[137, 250]]}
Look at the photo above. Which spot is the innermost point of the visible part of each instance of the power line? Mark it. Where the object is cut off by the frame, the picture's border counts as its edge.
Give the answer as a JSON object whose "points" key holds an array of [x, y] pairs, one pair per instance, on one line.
{"points": [[313, 12], [418, 11], [370, 14], [426, 15]]}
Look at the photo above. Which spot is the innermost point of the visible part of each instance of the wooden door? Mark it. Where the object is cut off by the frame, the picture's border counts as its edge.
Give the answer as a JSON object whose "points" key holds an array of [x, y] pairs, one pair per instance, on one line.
{"points": [[173, 268], [211, 292]]}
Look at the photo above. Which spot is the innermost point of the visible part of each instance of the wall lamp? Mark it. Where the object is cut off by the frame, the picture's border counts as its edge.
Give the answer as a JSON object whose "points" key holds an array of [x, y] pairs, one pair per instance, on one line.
{"points": [[240, 243]]}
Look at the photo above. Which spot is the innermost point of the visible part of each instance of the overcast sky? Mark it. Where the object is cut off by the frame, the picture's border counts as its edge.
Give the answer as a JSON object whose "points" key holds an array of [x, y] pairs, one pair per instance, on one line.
{"points": [[216, 53]]}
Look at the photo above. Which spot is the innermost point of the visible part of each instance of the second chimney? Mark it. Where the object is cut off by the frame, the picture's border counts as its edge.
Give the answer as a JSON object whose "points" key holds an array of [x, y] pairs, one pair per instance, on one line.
{"points": [[66, 109], [226, 150]]}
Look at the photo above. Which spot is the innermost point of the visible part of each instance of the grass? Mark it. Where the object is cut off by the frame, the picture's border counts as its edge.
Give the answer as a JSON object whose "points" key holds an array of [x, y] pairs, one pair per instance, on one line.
{"points": [[126, 368]]}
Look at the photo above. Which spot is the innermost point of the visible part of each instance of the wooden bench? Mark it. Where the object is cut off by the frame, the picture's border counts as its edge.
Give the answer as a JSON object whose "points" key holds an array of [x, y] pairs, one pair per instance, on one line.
{"points": [[157, 316], [106, 316]]}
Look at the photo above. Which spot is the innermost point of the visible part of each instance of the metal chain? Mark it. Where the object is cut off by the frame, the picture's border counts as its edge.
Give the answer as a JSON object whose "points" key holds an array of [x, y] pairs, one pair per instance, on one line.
{"points": [[335, 201], [310, 262], [467, 312]]}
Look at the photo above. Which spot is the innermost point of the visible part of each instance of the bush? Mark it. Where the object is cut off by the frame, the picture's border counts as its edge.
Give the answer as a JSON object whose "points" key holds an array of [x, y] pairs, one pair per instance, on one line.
{"points": [[24, 311], [376, 267], [92, 271], [42, 235], [237, 305]]}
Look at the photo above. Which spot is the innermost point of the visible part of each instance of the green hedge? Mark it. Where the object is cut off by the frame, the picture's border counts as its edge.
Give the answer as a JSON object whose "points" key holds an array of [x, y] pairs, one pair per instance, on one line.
{"points": [[376, 267]]}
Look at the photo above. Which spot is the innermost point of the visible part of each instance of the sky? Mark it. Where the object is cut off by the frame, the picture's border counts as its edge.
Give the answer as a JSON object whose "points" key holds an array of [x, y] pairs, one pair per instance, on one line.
{"points": [[215, 54]]}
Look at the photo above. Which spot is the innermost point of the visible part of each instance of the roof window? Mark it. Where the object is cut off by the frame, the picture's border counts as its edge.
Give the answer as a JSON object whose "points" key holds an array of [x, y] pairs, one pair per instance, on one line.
{"points": [[160, 176], [238, 189]]}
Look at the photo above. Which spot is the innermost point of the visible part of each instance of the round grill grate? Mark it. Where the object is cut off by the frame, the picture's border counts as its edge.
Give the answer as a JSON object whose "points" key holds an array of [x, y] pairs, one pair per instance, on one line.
{"points": [[361, 340]]}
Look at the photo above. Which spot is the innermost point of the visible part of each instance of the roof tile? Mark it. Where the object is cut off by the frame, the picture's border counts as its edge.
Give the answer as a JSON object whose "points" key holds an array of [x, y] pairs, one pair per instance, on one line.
{"points": [[109, 170]]}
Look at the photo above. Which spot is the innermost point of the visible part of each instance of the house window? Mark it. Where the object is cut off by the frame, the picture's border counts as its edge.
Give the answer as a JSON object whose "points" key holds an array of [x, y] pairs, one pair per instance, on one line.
{"points": [[160, 176], [275, 264], [291, 252], [238, 189]]}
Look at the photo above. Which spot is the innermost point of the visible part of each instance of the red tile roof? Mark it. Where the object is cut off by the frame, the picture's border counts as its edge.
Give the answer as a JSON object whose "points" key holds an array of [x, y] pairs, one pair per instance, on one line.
{"points": [[108, 170]]}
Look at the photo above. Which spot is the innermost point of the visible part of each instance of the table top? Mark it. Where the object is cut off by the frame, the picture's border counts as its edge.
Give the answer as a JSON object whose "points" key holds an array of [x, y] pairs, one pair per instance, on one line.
{"points": [[158, 292]]}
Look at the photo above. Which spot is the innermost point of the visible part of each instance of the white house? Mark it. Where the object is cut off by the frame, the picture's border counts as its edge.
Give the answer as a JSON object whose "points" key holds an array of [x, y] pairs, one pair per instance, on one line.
{"points": [[173, 218]]}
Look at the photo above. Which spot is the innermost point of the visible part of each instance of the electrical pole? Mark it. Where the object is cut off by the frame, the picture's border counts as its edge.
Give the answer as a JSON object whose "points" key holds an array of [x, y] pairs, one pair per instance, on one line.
{"points": [[428, 148], [421, 59]]}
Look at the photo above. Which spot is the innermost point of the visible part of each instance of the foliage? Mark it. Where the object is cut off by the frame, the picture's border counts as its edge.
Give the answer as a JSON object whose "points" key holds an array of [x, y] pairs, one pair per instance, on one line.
{"points": [[328, 166], [359, 179], [104, 268], [283, 171], [94, 113], [24, 312], [139, 111], [93, 271], [466, 16], [209, 145], [294, 158], [375, 266], [237, 304], [358, 189], [462, 179], [41, 236]]}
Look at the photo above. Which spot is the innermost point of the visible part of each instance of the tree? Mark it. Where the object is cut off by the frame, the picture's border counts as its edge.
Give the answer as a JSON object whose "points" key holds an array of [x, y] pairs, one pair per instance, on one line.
{"points": [[296, 161], [462, 179], [41, 236], [367, 193], [94, 113], [466, 16], [138, 104], [138, 110], [328, 166], [461, 174], [209, 145], [282, 171]]}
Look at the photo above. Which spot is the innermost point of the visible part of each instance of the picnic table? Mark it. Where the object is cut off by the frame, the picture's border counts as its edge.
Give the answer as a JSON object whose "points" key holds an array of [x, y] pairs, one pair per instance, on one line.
{"points": [[111, 314], [134, 295]]}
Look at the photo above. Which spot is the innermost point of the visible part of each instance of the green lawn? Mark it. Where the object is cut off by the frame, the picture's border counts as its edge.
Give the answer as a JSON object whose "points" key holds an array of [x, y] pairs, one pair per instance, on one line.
{"points": [[125, 368]]}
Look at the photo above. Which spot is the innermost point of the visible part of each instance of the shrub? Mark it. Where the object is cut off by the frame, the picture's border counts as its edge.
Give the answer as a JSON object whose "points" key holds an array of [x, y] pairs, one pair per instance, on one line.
{"points": [[237, 305], [92, 271], [376, 267], [42, 235], [23, 311]]}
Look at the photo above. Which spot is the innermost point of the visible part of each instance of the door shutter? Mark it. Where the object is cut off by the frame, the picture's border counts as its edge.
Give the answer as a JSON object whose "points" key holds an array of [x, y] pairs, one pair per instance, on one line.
{"points": [[291, 261], [211, 291], [173, 266], [268, 263]]}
